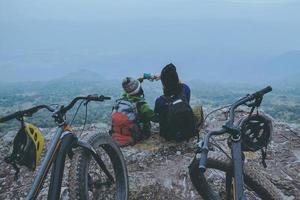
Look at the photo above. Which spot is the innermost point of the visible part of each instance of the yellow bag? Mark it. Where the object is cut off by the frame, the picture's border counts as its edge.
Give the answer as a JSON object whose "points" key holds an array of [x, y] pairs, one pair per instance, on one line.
{"points": [[199, 115]]}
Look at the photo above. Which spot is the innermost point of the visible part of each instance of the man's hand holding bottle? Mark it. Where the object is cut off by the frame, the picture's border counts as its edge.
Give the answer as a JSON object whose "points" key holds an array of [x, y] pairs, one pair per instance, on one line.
{"points": [[150, 77]]}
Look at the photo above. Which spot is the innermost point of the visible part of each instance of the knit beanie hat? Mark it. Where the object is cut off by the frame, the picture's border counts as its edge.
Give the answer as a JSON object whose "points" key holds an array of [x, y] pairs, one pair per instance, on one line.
{"points": [[131, 86]]}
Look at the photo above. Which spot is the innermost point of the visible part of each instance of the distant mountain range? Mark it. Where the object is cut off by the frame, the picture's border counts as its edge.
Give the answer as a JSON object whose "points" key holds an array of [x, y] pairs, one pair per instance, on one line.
{"points": [[82, 75], [283, 68], [205, 49], [286, 65]]}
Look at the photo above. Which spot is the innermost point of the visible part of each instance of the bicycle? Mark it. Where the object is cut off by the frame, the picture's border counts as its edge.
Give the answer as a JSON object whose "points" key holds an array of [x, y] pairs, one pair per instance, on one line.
{"points": [[237, 173], [82, 183]]}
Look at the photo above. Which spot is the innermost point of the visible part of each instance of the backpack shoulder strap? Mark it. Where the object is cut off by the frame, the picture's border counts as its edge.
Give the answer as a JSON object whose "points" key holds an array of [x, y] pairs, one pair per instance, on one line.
{"points": [[131, 106], [139, 104], [183, 96], [169, 99]]}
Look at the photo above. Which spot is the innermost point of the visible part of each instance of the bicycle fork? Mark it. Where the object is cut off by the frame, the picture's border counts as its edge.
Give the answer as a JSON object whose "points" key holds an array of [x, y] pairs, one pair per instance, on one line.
{"points": [[237, 163], [68, 139], [98, 159]]}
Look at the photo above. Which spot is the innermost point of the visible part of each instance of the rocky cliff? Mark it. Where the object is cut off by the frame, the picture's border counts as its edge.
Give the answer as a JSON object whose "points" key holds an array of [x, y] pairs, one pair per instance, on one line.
{"points": [[159, 169]]}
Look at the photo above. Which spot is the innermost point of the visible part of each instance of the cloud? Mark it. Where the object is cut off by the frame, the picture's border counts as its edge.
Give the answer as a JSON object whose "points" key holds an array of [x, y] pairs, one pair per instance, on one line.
{"points": [[262, 1]]}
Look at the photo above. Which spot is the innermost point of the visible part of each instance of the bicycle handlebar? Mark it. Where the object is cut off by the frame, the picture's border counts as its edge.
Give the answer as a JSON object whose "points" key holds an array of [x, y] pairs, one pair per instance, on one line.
{"points": [[203, 160], [262, 92], [205, 150], [27, 112], [65, 109], [255, 96], [62, 110], [229, 124]]}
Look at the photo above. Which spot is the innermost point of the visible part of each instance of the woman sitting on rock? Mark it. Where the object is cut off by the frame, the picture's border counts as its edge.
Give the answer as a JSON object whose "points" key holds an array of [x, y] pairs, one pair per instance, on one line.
{"points": [[176, 118]]}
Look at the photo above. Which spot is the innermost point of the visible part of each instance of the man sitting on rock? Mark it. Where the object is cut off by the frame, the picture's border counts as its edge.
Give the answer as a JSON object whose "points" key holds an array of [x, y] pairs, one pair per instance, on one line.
{"points": [[131, 115]]}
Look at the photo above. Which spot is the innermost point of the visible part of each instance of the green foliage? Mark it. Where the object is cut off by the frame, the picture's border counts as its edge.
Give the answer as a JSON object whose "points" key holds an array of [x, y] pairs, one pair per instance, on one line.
{"points": [[283, 103], [14, 97]]}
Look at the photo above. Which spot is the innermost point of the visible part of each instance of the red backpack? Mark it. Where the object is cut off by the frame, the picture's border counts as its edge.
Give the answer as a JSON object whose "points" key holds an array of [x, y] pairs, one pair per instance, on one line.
{"points": [[125, 126]]}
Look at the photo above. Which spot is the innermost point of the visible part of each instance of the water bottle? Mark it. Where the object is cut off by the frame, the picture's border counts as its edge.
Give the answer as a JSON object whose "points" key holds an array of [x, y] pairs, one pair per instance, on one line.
{"points": [[148, 76]]}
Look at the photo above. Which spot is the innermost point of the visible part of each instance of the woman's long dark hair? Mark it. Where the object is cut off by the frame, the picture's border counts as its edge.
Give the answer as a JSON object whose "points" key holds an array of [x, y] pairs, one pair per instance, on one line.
{"points": [[170, 80]]}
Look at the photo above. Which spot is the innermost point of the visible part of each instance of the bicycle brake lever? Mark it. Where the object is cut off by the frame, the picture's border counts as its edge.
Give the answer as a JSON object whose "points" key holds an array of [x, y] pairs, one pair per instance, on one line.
{"points": [[255, 103]]}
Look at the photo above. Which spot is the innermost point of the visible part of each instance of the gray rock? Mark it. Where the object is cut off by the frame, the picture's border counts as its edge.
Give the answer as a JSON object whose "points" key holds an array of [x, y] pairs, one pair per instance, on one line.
{"points": [[9, 136], [159, 169]]}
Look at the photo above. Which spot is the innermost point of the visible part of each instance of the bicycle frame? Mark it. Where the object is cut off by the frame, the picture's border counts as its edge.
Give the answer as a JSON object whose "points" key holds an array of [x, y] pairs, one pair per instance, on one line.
{"points": [[237, 162], [60, 146], [237, 167], [46, 164]]}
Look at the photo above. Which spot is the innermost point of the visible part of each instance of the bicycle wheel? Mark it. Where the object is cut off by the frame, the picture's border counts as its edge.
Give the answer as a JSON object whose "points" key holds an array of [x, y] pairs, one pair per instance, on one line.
{"points": [[88, 181], [253, 178]]}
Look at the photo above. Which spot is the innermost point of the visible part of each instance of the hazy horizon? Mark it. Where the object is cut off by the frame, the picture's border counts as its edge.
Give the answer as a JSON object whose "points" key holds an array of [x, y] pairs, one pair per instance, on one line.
{"points": [[221, 41]]}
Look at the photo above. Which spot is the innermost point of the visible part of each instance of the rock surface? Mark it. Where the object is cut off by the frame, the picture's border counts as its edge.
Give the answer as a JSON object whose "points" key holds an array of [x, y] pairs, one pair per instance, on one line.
{"points": [[159, 169]]}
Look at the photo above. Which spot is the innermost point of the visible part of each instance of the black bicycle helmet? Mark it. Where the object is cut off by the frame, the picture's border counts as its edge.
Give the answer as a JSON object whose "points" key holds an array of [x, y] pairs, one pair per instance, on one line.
{"points": [[256, 132], [27, 147]]}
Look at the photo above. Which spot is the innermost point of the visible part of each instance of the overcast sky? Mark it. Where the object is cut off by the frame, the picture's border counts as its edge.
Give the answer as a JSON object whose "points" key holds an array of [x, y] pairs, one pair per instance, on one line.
{"points": [[257, 10], [111, 36]]}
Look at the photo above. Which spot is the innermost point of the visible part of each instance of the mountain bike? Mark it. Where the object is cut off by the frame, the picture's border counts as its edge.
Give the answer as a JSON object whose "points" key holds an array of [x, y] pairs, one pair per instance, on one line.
{"points": [[237, 172], [99, 151]]}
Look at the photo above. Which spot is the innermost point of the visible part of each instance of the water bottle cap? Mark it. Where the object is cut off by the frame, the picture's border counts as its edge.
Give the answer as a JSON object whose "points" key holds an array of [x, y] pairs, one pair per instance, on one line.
{"points": [[147, 76]]}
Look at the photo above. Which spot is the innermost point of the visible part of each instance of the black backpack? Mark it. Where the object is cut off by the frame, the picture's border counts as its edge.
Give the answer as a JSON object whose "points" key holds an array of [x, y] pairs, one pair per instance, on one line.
{"points": [[181, 124]]}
